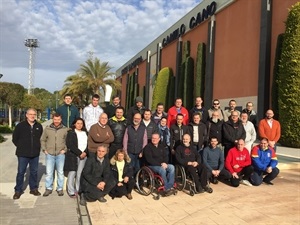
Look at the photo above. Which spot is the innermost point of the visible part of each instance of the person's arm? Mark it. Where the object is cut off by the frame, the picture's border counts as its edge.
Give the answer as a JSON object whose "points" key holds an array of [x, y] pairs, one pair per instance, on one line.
{"points": [[145, 138], [278, 132], [247, 161], [226, 133], [110, 136], [43, 140], [125, 140], [261, 129], [221, 159], [179, 156], [87, 172], [274, 160], [147, 152], [253, 133], [16, 135], [228, 162]]}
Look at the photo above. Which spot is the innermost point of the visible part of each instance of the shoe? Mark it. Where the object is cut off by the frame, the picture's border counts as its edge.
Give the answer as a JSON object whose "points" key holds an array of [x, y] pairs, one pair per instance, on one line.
{"points": [[246, 182], [35, 192], [199, 190], [47, 192], [214, 180], [268, 182], [17, 195], [208, 189], [129, 196], [60, 193], [102, 199], [73, 196], [82, 200]]}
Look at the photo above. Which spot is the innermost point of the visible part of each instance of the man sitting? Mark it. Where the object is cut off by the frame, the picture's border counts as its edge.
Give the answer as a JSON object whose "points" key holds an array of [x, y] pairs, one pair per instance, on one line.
{"points": [[96, 179], [156, 158], [264, 161]]}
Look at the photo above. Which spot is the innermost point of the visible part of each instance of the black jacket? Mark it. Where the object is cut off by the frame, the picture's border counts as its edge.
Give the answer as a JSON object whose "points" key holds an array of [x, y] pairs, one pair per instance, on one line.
{"points": [[202, 111], [232, 132], [151, 129], [72, 152], [187, 154], [176, 134], [118, 128], [133, 110], [27, 139], [202, 133], [127, 170], [155, 156], [215, 130]]}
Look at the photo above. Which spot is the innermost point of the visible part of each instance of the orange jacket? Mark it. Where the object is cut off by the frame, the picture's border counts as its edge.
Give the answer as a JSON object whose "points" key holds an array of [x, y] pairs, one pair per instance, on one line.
{"points": [[265, 131]]}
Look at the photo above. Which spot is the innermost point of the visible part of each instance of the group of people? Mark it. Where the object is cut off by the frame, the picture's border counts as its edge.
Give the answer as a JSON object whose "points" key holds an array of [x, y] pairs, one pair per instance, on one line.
{"points": [[102, 150]]}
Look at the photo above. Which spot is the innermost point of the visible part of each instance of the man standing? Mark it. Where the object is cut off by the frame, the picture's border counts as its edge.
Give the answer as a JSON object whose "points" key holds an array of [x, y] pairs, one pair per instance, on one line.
{"points": [[238, 163], [213, 159], [100, 134], [233, 130], [217, 108], [270, 128], [250, 131], [118, 125], [215, 128], [137, 108], [159, 113], [26, 137], [110, 110], [92, 112], [264, 161], [150, 125], [177, 109], [96, 179], [68, 111], [199, 109], [135, 139], [197, 131], [232, 106], [252, 117], [157, 160], [53, 143]]}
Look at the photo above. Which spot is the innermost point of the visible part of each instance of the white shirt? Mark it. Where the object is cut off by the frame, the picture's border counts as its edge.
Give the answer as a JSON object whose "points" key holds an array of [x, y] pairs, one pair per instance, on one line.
{"points": [[91, 115], [82, 140]]}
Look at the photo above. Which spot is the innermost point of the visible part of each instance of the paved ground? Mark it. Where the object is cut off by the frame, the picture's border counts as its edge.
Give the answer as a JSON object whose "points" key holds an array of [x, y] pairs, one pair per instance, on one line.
{"points": [[278, 204]]}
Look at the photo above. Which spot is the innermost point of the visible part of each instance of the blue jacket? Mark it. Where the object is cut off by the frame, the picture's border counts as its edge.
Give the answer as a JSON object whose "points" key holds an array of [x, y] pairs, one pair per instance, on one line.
{"points": [[261, 159], [68, 114]]}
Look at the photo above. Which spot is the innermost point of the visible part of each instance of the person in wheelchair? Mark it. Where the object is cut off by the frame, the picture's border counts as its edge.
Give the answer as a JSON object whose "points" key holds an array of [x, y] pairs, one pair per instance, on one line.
{"points": [[156, 159], [190, 159], [123, 173]]}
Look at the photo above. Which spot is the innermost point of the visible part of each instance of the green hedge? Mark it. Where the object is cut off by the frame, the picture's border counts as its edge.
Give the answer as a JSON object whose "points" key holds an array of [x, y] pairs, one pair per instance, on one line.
{"points": [[5, 129], [289, 81], [188, 87], [200, 71]]}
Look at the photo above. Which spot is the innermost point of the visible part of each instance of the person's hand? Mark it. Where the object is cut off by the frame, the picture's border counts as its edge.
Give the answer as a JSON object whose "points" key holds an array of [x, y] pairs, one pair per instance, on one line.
{"points": [[216, 173], [269, 169], [236, 166], [120, 184], [83, 155], [195, 164], [101, 185], [126, 179], [272, 143], [235, 175], [46, 152], [141, 155], [164, 165], [62, 152]]}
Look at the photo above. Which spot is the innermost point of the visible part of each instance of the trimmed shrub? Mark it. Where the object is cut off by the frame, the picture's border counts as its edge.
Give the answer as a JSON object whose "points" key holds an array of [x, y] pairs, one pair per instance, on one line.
{"points": [[200, 71], [5, 130], [2, 139], [289, 81], [188, 87]]}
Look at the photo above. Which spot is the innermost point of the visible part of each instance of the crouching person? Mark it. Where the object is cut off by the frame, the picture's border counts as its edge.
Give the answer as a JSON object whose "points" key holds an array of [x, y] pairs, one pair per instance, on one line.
{"points": [[264, 161], [96, 179], [123, 175]]}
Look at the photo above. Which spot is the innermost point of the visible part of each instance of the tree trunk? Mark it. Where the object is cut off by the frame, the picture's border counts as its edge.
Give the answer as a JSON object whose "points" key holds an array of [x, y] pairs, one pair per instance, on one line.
{"points": [[10, 116]]}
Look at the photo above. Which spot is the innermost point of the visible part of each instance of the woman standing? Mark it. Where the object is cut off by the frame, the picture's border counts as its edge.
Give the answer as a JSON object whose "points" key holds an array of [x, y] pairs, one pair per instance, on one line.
{"points": [[76, 155], [123, 173]]}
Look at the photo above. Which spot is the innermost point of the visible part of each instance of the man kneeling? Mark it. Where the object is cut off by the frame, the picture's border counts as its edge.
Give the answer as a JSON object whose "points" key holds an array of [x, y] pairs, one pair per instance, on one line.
{"points": [[96, 179]]}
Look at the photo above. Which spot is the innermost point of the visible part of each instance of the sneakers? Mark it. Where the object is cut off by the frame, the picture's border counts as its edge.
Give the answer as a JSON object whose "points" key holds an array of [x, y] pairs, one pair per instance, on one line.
{"points": [[268, 182], [47, 192], [208, 189], [35, 192], [129, 196], [60, 193], [246, 182], [17, 195], [102, 199]]}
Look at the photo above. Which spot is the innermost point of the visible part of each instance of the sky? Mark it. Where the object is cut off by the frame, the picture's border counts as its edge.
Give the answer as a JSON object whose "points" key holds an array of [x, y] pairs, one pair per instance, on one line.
{"points": [[67, 30]]}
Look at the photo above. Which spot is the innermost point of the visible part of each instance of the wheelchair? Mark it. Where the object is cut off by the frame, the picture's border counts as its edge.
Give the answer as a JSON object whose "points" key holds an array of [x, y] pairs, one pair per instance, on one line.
{"points": [[184, 181], [148, 182]]}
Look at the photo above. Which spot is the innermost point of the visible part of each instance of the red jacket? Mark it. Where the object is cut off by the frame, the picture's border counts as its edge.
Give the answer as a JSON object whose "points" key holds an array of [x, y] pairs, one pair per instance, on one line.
{"points": [[237, 157], [172, 113], [265, 131]]}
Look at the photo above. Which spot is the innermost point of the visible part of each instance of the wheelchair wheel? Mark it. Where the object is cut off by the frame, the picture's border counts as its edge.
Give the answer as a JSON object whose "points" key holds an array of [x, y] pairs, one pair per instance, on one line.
{"points": [[192, 193], [180, 177], [145, 181]]}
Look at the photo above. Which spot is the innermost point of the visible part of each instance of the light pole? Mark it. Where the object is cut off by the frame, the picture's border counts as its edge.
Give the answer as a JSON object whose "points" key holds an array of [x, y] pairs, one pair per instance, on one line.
{"points": [[31, 44]]}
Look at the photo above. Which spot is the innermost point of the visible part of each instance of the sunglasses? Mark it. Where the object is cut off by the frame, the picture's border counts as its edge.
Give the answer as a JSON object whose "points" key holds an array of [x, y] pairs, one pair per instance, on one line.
{"points": [[216, 103]]}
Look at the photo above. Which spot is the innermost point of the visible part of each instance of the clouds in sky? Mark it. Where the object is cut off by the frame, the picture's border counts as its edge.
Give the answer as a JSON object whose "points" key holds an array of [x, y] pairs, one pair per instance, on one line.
{"points": [[115, 30]]}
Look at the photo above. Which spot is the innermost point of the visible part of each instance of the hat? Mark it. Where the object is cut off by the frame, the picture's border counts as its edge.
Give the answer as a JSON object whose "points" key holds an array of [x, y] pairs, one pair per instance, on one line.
{"points": [[139, 99]]}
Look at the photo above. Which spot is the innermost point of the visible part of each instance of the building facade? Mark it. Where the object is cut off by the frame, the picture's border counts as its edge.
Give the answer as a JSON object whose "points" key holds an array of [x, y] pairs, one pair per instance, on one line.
{"points": [[240, 38]]}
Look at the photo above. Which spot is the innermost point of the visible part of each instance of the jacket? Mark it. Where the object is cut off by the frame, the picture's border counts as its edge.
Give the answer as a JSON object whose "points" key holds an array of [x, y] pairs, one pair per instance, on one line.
{"points": [[186, 154], [110, 110], [73, 152], [151, 129], [203, 112], [265, 131], [233, 131], [202, 133], [133, 110], [237, 157], [135, 140], [252, 117], [91, 115], [99, 135], [261, 159], [127, 170], [53, 139], [157, 118], [118, 128], [172, 113], [68, 114], [27, 139], [176, 134], [155, 156], [215, 130]]}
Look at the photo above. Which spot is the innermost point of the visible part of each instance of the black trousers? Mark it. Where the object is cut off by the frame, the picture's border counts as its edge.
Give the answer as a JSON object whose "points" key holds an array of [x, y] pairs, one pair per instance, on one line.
{"points": [[244, 174], [199, 175]]}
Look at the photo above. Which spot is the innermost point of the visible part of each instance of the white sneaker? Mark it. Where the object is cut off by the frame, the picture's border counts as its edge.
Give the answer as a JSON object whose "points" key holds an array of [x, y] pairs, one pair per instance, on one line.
{"points": [[246, 182]]}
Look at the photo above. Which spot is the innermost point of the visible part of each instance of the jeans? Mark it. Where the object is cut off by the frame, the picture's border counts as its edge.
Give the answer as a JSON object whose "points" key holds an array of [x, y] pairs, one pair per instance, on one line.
{"points": [[75, 175], [257, 176], [168, 175], [135, 162], [33, 177], [53, 161]]}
